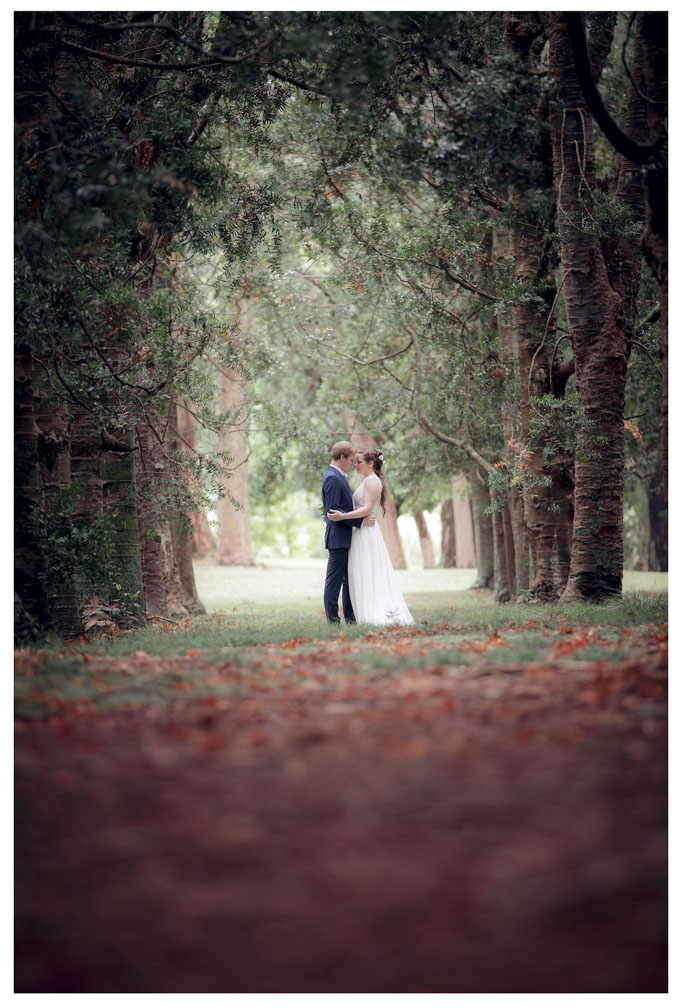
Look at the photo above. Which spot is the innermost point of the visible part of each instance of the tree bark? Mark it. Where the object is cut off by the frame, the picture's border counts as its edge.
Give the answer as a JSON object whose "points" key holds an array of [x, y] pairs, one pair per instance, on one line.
{"points": [[548, 508], [465, 546], [118, 501], [542, 368], [203, 540], [658, 522], [448, 553], [425, 541], [597, 326], [160, 576], [234, 537], [55, 469], [86, 466], [510, 550], [484, 534], [181, 525], [388, 521], [507, 327], [653, 36], [31, 610], [501, 589]]}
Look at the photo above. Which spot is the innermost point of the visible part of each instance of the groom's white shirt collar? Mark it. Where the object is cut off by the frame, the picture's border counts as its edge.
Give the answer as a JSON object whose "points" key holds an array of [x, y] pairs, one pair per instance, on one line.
{"points": [[339, 470]]}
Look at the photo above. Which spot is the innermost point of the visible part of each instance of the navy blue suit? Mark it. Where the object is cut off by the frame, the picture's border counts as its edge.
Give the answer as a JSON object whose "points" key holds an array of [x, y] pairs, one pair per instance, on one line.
{"points": [[336, 496]]}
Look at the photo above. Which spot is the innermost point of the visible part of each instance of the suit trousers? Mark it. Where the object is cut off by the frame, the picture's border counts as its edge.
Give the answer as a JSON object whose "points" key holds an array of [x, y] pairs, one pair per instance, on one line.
{"points": [[337, 578]]}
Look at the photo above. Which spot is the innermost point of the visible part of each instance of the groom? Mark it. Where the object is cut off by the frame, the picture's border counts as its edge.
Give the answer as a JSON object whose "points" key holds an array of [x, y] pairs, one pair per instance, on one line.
{"points": [[336, 496]]}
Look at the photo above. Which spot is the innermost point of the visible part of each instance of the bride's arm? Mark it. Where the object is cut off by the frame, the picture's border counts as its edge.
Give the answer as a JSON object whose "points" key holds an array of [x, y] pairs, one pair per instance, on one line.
{"points": [[371, 494]]}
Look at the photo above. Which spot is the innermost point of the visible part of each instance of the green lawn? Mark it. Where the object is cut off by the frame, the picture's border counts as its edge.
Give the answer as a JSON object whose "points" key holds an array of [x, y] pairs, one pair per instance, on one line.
{"points": [[298, 585]]}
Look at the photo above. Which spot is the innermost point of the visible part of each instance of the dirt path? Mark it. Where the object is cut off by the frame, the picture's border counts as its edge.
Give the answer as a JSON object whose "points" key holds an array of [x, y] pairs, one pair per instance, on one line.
{"points": [[482, 828]]}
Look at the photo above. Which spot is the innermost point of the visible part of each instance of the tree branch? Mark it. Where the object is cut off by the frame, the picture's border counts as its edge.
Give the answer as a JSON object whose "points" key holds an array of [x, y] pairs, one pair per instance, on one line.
{"points": [[637, 153], [356, 360]]}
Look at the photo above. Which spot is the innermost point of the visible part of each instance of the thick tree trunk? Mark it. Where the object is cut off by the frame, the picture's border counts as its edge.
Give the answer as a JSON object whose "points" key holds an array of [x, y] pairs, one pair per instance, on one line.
{"points": [[519, 532], [448, 552], [465, 546], [203, 540], [160, 576], [389, 520], [658, 522], [181, 524], [484, 534], [653, 37], [234, 537], [510, 550], [31, 610], [55, 469], [542, 368], [507, 327], [182, 549], [596, 321], [501, 589], [425, 541], [86, 466], [119, 503]]}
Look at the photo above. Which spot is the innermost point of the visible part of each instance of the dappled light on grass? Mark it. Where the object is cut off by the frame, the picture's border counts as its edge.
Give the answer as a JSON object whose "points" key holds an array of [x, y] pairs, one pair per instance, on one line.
{"points": [[476, 803]]}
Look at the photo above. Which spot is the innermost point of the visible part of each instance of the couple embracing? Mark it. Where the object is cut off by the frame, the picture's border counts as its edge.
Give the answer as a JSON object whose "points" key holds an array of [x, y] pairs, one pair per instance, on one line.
{"points": [[359, 563]]}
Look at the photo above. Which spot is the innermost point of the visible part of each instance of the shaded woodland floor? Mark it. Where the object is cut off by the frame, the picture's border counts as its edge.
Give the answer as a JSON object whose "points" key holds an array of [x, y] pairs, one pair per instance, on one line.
{"points": [[461, 807]]}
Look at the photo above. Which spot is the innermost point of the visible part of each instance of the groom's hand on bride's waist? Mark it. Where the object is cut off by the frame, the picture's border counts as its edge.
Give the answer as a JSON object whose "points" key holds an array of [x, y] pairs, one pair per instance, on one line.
{"points": [[369, 520]]}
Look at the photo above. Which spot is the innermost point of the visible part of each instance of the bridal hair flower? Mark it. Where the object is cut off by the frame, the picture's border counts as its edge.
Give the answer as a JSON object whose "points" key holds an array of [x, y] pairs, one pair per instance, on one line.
{"points": [[380, 457]]}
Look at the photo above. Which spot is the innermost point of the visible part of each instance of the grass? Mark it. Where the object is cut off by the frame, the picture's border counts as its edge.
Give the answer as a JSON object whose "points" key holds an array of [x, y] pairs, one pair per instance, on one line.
{"points": [[261, 605], [256, 610]]}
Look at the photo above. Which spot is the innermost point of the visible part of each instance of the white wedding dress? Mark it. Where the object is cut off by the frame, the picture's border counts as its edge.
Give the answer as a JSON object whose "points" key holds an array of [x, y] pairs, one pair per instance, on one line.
{"points": [[374, 590]]}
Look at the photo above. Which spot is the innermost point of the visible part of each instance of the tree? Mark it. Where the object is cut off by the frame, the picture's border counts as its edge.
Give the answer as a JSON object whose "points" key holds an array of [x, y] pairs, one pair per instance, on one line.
{"points": [[600, 307]]}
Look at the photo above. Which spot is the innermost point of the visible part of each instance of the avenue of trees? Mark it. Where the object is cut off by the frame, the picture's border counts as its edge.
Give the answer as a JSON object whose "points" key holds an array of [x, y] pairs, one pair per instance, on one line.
{"points": [[243, 236]]}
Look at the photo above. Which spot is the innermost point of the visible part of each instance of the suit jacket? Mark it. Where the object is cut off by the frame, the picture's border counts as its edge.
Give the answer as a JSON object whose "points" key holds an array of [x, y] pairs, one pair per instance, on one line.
{"points": [[336, 496]]}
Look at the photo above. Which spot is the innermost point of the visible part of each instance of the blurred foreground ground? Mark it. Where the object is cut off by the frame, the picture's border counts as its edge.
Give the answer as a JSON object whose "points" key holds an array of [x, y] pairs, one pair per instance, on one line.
{"points": [[458, 807]]}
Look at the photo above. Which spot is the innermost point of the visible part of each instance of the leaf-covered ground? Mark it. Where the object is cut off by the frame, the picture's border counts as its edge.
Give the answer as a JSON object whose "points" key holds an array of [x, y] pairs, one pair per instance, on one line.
{"points": [[459, 807]]}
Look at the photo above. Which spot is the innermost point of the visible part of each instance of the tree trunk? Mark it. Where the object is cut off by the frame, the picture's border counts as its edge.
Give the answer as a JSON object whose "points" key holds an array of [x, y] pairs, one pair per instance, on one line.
{"points": [[27, 496], [548, 509], [118, 502], [203, 540], [234, 537], [448, 553], [542, 368], [162, 588], [597, 323], [425, 540], [658, 522], [181, 524], [507, 327], [510, 550], [388, 521], [484, 534], [182, 549], [653, 35], [55, 469], [501, 590], [465, 547], [519, 531], [86, 466]]}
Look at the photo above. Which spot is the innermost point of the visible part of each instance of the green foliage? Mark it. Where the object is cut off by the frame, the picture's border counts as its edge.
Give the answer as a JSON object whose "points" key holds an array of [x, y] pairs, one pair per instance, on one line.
{"points": [[71, 549]]}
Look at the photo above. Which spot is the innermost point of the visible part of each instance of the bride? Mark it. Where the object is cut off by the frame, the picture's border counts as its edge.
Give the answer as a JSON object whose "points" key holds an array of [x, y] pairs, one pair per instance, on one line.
{"points": [[374, 590]]}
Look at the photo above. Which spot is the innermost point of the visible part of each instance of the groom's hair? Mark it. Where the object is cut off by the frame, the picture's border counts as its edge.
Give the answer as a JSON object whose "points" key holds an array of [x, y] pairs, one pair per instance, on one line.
{"points": [[342, 449]]}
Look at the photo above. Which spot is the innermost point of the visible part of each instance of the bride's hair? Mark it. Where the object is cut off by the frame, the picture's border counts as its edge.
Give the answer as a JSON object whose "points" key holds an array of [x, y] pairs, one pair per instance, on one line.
{"points": [[376, 457]]}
